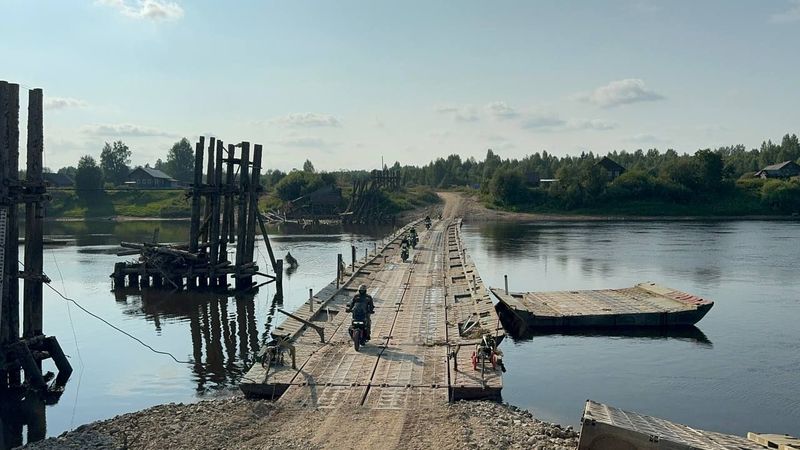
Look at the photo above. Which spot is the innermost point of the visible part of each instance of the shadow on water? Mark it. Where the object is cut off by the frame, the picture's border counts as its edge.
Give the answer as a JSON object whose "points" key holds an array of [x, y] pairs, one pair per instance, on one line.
{"points": [[223, 330], [519, 332]]}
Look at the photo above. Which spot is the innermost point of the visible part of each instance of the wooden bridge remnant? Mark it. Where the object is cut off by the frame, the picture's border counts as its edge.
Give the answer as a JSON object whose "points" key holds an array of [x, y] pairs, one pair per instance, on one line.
{"points": [[224, 220], [25, 352], [365, 203]]}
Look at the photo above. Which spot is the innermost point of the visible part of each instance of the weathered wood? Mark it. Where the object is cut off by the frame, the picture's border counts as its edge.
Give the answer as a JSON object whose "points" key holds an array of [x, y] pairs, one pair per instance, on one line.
{"points": [[194, 227], [252, 211], [209, 179], [5, 167], [215, 211], [230, 189], [241, 237], [34, 231]]}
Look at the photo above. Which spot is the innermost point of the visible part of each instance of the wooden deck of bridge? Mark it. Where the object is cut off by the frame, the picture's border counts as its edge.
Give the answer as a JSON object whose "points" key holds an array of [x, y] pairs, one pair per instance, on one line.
{"points": [[421, 306]]}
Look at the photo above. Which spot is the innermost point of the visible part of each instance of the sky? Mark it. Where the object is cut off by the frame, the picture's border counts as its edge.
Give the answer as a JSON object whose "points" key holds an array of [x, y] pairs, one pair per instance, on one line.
{"points": [[346, 83]]}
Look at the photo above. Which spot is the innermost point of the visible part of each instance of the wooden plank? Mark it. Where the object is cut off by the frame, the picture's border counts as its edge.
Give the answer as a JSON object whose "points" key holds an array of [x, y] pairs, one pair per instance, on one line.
{"points": [[34, 216]]}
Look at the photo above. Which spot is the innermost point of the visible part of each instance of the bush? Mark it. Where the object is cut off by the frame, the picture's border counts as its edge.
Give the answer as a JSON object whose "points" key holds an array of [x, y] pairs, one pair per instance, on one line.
{"points": [[507, 187], [297, 184], [781, 195]]}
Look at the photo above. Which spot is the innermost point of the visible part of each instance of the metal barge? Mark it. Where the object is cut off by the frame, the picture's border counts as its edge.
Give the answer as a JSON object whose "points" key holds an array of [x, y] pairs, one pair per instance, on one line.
{"points": [[644, 305], [605, 427]]}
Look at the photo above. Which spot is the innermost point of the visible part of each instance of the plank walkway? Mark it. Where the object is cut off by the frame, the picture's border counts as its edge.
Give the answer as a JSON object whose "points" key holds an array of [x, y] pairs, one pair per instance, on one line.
{"points": [[417, 355]]}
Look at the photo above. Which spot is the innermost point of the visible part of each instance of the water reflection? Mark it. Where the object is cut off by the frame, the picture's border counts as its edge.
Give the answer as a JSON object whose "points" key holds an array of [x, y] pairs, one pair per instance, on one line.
{"points": [[22, 416], [223, 331]]}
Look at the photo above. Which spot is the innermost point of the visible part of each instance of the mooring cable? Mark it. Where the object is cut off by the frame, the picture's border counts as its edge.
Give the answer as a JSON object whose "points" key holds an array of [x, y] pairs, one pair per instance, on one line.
{"points": [[144, 344]]}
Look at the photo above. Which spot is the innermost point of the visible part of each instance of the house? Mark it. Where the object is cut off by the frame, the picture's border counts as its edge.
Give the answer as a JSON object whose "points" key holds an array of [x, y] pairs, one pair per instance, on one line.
{"points": [[57, 180], [614, 170], [149, 178], [786, 169]]}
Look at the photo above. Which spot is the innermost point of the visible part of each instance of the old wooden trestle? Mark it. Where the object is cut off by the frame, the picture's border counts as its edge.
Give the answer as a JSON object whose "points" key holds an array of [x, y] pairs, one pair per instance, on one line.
{"points": [[224, 218], [430, 313], [24, 352]]}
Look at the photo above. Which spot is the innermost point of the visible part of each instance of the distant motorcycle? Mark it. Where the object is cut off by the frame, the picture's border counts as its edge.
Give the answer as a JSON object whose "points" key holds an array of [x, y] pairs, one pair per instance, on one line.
{"points": [[414, 241], [404, 254], [428, 224]]}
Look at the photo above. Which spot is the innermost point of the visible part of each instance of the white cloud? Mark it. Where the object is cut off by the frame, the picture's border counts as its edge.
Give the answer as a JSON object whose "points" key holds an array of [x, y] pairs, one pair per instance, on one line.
{"points": [[501, 110], [304, 142], [646, 138], [63, 103], [145, 9], [590, 124], [123, 130], [467, 113], [549, 121], [792, 14], [306, 120], [620, 92], [543, 120]]}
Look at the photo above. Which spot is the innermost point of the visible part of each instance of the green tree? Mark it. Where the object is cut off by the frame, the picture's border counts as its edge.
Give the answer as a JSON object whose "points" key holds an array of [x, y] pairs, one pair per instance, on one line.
{"points": [[297, 184], [69, 171], [180, 161], [114, 160], [507, 186], [88, 175], [308, 167]]}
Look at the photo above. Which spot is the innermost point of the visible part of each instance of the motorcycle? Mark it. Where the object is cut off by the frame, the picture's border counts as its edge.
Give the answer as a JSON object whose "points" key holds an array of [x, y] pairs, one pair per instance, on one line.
{"points": [[428, 224], [404, 254], [414, 241], [358, 332]]}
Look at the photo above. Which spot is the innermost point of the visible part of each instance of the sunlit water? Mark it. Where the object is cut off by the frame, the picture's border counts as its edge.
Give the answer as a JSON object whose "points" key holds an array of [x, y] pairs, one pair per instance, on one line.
{"points": [[217, 335], [740, 372]]}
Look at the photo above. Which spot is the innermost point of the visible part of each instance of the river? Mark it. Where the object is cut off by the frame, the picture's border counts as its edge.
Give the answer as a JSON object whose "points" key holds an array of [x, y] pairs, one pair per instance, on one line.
{"points": [[737, 372]]}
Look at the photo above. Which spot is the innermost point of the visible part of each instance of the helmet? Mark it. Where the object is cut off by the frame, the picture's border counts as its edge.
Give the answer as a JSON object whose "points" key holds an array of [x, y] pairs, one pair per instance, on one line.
{"points": [[362, 288]]}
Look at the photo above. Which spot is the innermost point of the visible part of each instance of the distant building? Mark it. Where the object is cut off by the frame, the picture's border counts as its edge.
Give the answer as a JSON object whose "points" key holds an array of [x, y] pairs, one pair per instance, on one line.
{"points": [[58, 180], [614, 170], [149, 178], [786, 169]]}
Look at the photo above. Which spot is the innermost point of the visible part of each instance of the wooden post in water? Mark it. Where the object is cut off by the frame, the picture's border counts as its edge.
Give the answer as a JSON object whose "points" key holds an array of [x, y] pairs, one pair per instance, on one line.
{"points": [[241, 238], [34, 231], [252, 209], [505, 277], [338, 269], [230, 180], [353, 258], [279, 278], [214, 256], [198, 182]]}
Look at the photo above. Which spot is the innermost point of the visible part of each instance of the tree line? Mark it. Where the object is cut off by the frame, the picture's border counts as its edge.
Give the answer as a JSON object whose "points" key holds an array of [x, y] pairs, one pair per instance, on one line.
{"points": [[114, 167]]}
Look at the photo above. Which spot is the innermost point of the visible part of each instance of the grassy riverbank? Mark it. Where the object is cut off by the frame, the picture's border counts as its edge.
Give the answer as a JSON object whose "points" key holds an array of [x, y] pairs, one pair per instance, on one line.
{"points": [[71, 204]]}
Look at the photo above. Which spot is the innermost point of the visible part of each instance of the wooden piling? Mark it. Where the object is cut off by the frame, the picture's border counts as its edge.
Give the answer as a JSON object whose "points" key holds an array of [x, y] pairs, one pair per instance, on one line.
{"points": [[214, 257], [241, 226], [209, 180], [252, 210], [34, 231], [279, 278], [194, 226], [353, 258]]}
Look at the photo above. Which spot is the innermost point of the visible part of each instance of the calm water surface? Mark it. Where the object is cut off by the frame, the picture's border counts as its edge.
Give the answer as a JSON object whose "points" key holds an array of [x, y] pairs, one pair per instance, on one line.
{"points": [[217, 335], [739, 372]]}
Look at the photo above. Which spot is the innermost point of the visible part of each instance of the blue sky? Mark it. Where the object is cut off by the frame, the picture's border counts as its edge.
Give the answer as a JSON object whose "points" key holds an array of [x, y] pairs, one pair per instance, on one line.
{"points": [[344, 83]]}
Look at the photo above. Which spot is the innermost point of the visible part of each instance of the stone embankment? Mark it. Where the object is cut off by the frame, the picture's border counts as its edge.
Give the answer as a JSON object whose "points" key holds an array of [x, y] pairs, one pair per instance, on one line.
{"points": [[237, 423]]}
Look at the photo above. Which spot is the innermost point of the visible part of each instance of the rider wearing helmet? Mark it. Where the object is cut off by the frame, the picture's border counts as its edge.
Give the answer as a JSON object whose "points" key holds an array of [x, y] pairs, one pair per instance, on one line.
{"points": [[362, 306]]}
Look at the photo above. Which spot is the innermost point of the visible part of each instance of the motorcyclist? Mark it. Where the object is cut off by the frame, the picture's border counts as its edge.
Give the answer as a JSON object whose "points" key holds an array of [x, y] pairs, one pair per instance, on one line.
{"points": [[414, 238], [362, 306], [428, 221], [405, 241]]}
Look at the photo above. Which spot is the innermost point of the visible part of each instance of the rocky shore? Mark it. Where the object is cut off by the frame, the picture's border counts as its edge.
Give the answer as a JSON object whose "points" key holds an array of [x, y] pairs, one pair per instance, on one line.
{"points": [[238, 423]]}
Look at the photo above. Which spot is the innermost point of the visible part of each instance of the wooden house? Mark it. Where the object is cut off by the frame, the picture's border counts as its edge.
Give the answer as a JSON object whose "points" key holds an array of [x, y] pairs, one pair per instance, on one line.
{"points": [[786, 169], [611, 167], [149, 178]]}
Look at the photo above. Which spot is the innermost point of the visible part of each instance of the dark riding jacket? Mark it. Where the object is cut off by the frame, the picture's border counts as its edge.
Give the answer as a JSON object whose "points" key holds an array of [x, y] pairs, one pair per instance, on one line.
{"points": [[361, 306]]}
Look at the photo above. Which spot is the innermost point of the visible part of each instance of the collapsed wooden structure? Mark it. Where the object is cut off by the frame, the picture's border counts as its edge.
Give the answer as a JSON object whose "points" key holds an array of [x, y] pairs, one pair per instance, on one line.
{"points": [[27, 351], [366, 203], [224, 219]]}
